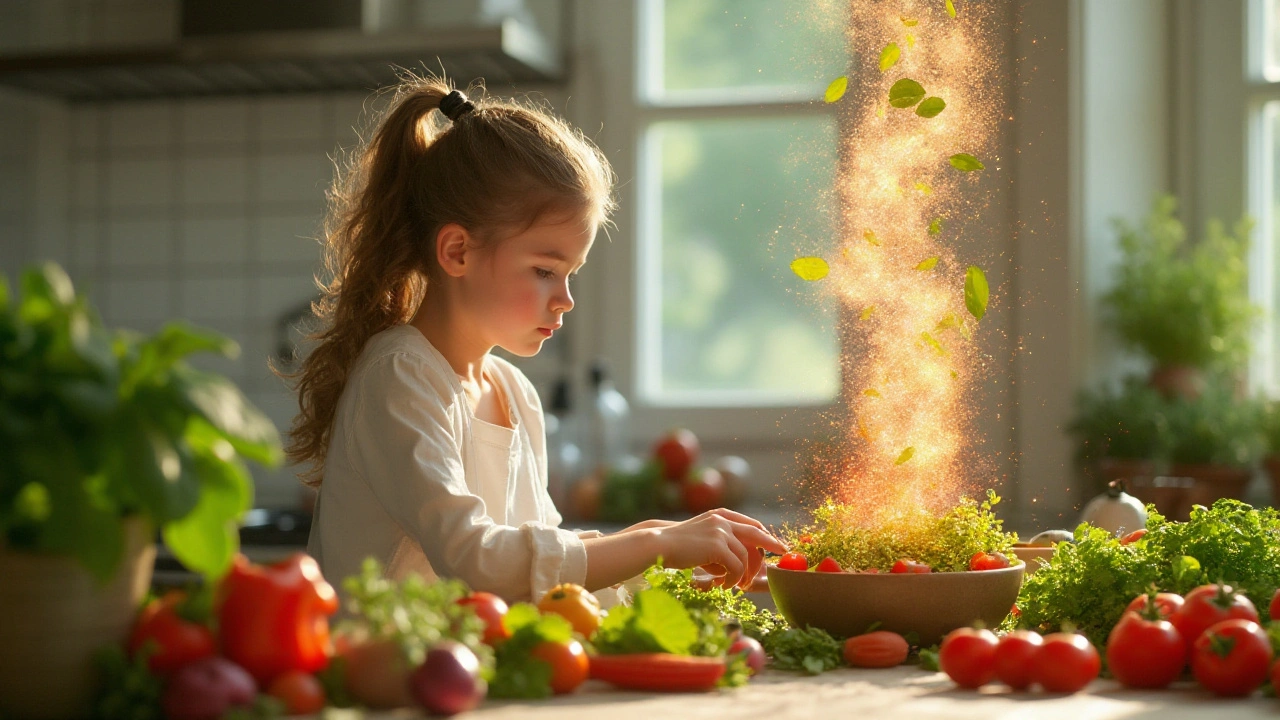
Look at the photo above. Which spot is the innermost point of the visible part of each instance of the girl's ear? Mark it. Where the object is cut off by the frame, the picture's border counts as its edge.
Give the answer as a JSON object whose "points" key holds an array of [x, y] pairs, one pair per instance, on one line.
{"points": [[452, 243]]}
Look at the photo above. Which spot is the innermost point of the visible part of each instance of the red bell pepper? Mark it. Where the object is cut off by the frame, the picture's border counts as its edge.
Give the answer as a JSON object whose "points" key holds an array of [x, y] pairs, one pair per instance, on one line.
{"points": [[274, 619]]}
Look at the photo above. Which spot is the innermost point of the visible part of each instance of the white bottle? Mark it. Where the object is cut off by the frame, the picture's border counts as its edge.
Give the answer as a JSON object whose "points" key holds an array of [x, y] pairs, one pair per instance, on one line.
{"points": [[607, 430], [564, 457]]}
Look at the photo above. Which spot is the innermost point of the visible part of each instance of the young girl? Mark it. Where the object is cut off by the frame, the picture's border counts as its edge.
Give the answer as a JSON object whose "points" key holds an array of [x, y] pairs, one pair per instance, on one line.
{"points": [[456, 231]]}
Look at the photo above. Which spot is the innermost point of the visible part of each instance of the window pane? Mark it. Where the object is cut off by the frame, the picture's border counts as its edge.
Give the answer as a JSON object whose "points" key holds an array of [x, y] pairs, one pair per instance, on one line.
{"points": [[1271, 41], [1269, 224], [724, 321], [792, 47]]}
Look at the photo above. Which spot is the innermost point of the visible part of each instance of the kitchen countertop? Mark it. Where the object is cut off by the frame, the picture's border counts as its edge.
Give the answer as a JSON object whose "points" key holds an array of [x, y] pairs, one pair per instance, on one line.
{"points": [[902, 692]]}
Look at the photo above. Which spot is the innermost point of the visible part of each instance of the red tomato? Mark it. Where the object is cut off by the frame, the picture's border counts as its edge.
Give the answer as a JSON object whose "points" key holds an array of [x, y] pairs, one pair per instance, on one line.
{"points": [[1167, 603], [1066, 663], [806, 539], [702, 490], [1133, 537], [1232, 657], [828, 565], [568, 661], [967, 656], [1274, 610], [677, 451], [793, 561], [1209, 605], [1145, 653], [988, 561], [1012, 659], [911, 567], [301, 693], [177, 641], [491, 609]]}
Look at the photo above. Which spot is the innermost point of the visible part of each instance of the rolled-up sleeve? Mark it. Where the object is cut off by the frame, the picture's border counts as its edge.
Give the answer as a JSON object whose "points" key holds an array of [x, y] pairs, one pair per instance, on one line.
{"points": [[403, 441]]}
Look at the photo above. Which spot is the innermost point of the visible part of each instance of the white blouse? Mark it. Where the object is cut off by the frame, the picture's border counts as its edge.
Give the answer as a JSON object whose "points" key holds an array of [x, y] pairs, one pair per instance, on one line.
{"points": [[414, 480]]}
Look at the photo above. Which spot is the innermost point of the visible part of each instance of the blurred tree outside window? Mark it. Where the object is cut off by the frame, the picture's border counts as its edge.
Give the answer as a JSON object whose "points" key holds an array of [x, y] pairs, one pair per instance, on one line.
{"points": [[737, 159]]}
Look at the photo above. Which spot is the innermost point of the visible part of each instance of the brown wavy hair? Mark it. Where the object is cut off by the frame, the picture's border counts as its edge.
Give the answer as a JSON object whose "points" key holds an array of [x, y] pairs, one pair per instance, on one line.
{"points": [[497, 170]]}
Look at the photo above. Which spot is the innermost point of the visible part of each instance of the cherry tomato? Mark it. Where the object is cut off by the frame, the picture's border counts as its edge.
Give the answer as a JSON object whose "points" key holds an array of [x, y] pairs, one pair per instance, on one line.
{"points": [[1066, 663], [301, 692], [988, 561], [1012, 659], [568, 661], [793, 561], [967, 656], [702, 490], [1274, 610], [751, 649], [910, 567], [1232, 657], [491, 609], [1209, 605], [1168, 603], [1133, 537], [177, 641], [806, 539], [677, 451], [828, 565], [575, 604], [1144, 652]]}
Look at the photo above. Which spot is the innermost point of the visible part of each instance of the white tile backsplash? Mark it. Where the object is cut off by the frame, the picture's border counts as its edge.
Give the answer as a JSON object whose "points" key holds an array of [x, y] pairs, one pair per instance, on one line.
{"points": [[221, 121], [290, 239], [215, 180], [86, 128], [291, 119], [295, 178], [86, 180], [140, 183], [278, 294], [215, 240], [136, 125], [86, 241], [140, 304], [211, 299], [140, 243]]}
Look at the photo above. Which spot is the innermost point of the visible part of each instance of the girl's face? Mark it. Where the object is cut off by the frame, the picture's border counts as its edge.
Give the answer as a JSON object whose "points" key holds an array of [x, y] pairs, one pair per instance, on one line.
{"points": [[519, 291]]}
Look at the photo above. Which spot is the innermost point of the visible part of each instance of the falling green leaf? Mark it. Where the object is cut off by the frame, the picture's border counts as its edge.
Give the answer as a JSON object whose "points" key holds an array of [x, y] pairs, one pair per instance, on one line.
{"points": [[880, 111], [924, 188], [975, 292], [871, 392], [911, 41], [951, 8], [905, 456], [948, 322], [836, 89], [932, 342], [866, 313], [905, 93], [954, 374], [931, 107], [810, 268], [966, 162], [889, 56], [909, 22], [870, 237], [928, 264], [935, 227]]}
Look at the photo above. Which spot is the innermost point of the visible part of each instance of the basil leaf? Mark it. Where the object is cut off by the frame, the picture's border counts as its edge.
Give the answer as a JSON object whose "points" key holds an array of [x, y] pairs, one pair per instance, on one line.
{"points": [[931, 107], [966, 162], [905, 93], [975, 292], [836, 89], [889, 56]]}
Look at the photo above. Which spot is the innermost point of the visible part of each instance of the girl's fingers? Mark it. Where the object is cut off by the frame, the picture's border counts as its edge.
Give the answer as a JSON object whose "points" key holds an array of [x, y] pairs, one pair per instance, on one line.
{"points": [[756, 538], [734, 567], [753, 568], [738, 517]]}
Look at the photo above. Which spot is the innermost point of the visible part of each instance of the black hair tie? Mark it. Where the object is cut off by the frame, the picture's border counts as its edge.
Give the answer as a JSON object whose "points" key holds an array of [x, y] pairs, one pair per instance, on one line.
{"points": [[455, 105]]}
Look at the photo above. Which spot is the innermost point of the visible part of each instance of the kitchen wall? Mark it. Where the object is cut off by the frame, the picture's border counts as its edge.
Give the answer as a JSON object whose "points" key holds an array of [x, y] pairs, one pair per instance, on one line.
{"points": [[201, 209]]}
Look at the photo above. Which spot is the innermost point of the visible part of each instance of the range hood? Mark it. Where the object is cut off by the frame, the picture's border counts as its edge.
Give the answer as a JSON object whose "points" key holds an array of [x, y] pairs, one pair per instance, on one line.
{"points": [[236, 47]]}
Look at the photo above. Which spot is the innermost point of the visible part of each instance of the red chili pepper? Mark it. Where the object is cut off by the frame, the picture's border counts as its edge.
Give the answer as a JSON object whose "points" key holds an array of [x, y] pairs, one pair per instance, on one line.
{"points": [[275, 618]]}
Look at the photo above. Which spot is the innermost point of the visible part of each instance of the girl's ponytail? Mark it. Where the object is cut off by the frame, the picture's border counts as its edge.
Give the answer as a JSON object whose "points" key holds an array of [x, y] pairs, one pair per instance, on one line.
{"points": [[497, 168]]}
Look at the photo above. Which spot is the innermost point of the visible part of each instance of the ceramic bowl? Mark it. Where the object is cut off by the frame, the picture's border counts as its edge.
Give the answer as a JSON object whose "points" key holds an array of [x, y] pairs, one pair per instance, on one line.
{"points": [[1033, 556], [930, 605]]}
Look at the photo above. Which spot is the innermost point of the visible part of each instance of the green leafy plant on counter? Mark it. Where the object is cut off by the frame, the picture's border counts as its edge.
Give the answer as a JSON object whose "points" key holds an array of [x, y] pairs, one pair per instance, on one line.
{"points": [[1215, 428], [944, 542], [519, 675], [1182, 304], [810, 650], [97, 426], [731, 604], [1089, 583]]}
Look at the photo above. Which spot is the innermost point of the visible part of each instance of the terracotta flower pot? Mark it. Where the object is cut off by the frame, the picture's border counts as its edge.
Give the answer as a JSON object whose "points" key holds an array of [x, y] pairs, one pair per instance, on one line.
{"points": [[1175, 381], [1213, 482], [1171, 494], [54, 617]]}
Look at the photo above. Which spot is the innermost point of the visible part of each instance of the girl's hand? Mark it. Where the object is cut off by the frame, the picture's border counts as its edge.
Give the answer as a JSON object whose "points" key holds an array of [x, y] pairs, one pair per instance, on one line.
{"points": [[718, 537]]}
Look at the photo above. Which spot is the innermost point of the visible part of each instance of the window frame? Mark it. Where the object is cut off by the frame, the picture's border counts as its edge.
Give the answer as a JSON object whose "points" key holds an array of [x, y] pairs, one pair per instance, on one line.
{"points": [[1260, 192]]}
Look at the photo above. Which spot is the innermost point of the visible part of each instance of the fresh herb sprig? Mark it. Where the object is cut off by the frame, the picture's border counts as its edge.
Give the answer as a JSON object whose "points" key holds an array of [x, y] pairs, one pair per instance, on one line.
{"points": [[730, 603], [810, 650], [518, 674]]}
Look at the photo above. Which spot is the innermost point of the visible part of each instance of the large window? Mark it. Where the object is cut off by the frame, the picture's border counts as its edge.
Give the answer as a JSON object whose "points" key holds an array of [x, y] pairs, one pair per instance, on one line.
{"points": [[735, 168], [1263, 168]]}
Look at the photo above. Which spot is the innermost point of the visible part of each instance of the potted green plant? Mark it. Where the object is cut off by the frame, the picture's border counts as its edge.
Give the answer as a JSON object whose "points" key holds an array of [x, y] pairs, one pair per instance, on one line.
{"points": [[1217, 440], [105, 438], [1121, 433], [1186, 307]]}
